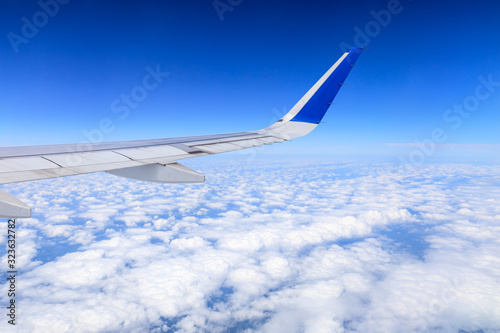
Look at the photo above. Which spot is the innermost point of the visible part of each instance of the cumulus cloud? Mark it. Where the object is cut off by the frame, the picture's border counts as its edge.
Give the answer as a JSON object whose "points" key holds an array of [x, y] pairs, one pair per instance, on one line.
{"points": [[267, 246]]}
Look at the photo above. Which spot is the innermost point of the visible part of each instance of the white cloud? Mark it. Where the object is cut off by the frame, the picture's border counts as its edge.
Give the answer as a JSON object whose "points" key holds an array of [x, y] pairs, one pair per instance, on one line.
{"points": [[273, 247]]}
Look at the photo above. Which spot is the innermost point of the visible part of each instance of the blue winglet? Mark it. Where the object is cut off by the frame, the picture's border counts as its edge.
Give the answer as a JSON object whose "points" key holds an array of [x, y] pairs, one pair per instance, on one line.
{"points": [[314, 110]]}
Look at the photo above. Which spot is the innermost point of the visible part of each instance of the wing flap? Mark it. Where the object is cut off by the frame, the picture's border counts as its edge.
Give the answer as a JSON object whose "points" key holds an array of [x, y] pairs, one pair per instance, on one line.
{"points": [[217, 148], [227, 139], [150, 152], [25, 163], [81, 159]]}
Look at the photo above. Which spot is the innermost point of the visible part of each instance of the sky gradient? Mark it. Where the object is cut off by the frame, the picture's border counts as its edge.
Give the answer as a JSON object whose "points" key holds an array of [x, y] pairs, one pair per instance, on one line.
{"points": [[242, 67]]}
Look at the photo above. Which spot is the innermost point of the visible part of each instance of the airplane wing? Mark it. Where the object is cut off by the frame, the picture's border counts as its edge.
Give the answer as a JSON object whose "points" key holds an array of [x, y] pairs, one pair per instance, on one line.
{"points": [[157, 160]]}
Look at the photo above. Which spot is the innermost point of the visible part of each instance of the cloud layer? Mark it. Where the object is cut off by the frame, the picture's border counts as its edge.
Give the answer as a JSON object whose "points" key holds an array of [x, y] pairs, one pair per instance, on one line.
{"points": [[268, 246]]}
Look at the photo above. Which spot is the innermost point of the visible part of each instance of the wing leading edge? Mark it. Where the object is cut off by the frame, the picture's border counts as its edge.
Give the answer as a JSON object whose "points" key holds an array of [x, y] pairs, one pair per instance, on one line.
{"points": [[156, 160]]}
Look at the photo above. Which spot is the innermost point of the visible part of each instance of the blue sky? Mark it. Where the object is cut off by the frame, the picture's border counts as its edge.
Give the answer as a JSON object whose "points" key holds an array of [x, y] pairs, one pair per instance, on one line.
{"points": [[241, 72]]}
